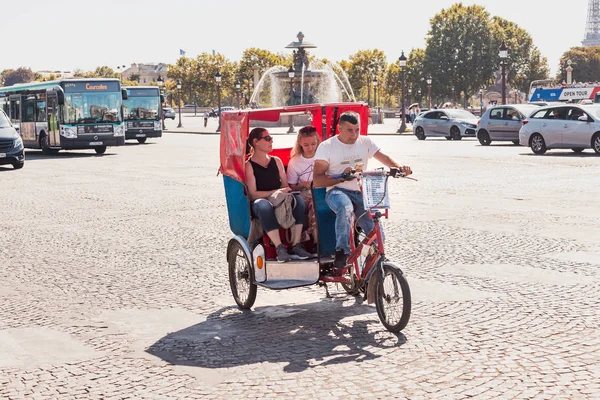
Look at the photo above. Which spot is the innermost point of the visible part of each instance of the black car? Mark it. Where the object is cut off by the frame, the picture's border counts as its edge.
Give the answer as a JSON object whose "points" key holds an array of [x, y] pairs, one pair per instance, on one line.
{"points": [[12, 150]]}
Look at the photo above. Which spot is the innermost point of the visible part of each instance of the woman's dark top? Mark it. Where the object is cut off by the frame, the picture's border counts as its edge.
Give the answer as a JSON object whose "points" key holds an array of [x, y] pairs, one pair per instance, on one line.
{"points": [[266, 178]]}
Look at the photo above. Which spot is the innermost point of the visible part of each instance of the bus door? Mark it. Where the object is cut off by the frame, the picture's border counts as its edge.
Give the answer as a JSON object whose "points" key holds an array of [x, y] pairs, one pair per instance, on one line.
{"points": [[52, 115]]}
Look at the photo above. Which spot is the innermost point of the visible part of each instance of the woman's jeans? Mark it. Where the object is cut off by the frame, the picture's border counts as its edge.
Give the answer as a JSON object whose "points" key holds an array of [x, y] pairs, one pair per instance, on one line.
{"points": [[263, 210], [343, 203]]}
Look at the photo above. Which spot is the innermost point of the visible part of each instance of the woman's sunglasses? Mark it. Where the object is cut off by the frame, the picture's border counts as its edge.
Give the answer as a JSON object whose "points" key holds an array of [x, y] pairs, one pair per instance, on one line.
{"points": [[267, 138]]}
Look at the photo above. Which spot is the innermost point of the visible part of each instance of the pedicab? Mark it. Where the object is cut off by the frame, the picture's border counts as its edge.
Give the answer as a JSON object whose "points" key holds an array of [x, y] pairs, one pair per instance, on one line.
{"points": [[252, 263]]}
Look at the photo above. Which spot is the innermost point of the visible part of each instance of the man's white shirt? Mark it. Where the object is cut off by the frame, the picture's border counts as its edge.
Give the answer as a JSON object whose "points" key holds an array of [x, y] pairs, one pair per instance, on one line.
{"points": [[340, 156]]}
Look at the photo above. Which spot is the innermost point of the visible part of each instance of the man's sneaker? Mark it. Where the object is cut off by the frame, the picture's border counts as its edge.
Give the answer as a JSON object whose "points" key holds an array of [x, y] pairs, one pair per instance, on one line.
{"points": [[298, 252], [282, 254], [340, 262]]}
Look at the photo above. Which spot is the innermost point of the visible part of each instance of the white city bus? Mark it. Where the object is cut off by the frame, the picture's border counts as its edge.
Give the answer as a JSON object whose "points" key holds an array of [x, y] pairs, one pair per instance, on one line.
{"points": [[67, 114], [142, 112]]}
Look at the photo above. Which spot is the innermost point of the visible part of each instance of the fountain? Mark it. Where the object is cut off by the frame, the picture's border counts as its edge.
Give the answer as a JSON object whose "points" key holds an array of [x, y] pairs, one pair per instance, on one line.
{"points": [[313, 82]]}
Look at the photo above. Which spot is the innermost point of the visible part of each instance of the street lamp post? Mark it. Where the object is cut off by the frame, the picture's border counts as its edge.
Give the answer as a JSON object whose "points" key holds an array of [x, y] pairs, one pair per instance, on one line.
{"points": [[480, 102], [291, 74], [429, 80], [375, 99], [179, 101], [120, 70], [453, 97], [218, 80], [419, 93], [238, 86], [503, 53], [402, 60], [569, 70], [160, 82]]}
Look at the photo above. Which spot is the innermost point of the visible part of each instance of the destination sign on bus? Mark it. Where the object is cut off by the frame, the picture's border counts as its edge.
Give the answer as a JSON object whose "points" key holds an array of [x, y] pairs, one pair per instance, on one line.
{"points": [[142, 92], [78, 87], [94, 129]]}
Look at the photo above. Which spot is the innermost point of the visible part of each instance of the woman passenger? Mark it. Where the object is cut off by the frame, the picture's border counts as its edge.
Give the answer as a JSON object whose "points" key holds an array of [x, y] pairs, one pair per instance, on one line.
{"points": [[300, 171], [265, 176]]}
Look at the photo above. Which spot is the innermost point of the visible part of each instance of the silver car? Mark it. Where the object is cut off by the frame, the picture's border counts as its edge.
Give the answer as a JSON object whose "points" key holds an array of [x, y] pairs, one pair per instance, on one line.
{"points": [[168, 112], [449, 123], [502, 123], [564, 126]]}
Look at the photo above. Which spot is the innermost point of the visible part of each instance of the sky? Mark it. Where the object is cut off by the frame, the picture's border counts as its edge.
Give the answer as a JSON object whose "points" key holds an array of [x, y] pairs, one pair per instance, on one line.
{"points": [[76, 34]]}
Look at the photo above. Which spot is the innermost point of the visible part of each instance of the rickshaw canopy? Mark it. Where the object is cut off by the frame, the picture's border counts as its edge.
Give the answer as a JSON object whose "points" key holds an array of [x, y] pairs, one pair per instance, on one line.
{"points": [[235, 127]]}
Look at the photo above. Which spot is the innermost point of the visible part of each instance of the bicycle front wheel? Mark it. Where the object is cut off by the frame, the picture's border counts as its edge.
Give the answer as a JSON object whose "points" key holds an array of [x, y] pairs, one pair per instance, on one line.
{"points": [[393, 298]]}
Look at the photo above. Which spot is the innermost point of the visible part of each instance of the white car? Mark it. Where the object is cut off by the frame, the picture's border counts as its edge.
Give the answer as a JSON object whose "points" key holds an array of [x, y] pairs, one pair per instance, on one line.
{"points": [[564, 126], [453, 124]]}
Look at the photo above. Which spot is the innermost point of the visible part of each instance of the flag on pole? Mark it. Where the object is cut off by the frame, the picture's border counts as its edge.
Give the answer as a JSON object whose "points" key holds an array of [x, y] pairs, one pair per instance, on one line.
{"points": [[181, 53]]}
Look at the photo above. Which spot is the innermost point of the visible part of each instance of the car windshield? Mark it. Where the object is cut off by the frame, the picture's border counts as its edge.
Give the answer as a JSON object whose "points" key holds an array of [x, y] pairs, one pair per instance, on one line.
{"points": [[4, 122], [146, 108], [461, 114], [81, 108]]}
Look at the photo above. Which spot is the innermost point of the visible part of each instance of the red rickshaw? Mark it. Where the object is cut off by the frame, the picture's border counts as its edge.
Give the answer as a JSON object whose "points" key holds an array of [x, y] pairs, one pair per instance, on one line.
{"points": [[251, 264]]}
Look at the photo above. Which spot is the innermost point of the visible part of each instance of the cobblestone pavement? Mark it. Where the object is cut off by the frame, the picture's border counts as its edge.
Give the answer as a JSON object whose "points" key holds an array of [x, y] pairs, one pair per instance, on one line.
{"points": [[114, 282]]}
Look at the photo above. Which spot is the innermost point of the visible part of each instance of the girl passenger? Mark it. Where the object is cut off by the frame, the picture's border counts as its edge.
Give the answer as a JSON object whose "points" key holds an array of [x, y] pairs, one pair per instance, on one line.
{"points": [[300, 171]]}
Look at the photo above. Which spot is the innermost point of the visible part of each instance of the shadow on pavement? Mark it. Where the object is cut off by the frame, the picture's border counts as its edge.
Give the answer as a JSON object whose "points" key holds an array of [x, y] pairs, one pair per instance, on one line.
{"points": [[303, 335], [569, 153], [37, 155]]}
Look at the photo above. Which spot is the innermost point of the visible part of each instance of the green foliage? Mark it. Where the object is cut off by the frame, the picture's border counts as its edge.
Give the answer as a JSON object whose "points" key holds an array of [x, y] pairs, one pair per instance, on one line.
{"points": [[460, 52], [585, 64], [525, 62]]}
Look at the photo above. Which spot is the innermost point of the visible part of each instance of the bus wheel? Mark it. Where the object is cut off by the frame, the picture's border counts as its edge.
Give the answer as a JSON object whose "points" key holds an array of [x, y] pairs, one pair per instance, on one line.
{"points": [[46, 150], [100, 150], [141, 140]]}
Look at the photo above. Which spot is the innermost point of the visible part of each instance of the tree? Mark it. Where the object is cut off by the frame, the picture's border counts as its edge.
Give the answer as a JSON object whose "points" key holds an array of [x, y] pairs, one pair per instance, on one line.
{"points": [[363, 66], [525, 62], [19, 75], [585, 62], [459, 51], [105, 72], [134, 77]]}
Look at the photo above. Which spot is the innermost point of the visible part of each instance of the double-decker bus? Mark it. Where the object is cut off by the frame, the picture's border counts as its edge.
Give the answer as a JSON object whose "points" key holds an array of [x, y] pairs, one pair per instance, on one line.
{"points": [[142, 112], [543, 90], [67, 114]]}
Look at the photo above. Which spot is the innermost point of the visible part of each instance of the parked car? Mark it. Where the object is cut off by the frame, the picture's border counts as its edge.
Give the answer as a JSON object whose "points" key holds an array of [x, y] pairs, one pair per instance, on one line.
{"points": [[502, 123], [12, 150], [168, 112], [565, 126], [449, 123], [189, 105]]}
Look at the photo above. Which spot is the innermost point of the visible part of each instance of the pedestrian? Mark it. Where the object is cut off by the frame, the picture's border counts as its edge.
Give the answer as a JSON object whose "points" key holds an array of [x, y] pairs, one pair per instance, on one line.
{"points": [[205, 118]]}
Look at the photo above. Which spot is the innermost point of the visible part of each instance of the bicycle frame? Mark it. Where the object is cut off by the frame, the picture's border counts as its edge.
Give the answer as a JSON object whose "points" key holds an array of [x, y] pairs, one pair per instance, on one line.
{"points": [[356, 250]]}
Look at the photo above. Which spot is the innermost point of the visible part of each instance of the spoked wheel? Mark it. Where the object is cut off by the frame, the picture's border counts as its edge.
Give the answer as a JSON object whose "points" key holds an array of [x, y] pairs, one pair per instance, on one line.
{"points": [[393, 299], [240, 280], [455, 133], [420, 133], [537, 143]]}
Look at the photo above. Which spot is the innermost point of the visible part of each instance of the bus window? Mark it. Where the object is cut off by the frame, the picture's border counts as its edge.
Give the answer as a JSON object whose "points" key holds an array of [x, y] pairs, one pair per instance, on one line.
{"points": [[28, 111], [15, 111], [40, 111]]}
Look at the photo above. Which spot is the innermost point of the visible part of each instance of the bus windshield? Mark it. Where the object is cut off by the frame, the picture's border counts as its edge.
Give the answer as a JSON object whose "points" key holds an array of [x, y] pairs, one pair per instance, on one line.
{"points": [[142, 108], [82, 108]]}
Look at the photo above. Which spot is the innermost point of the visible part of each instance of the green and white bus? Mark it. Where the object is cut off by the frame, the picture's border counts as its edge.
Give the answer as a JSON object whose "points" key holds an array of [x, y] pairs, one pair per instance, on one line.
{"points": [[142, 112], [67, 114]]}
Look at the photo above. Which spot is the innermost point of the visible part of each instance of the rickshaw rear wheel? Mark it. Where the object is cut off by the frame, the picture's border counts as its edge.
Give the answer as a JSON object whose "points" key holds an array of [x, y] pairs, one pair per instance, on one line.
{"points": [[393, 299], [242, 285]]}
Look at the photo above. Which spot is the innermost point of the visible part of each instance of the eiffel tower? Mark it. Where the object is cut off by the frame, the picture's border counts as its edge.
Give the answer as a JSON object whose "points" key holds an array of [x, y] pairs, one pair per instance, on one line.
{"points": [[592, 27]]}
